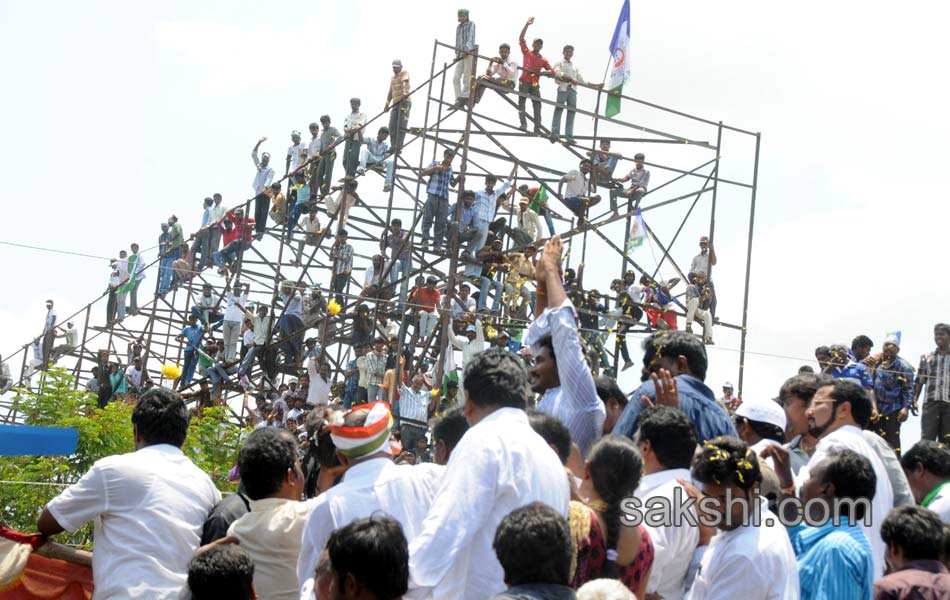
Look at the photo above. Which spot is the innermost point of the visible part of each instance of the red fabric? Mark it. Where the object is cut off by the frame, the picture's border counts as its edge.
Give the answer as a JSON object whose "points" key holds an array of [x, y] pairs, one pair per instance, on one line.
{"points": [[35, 540], [592, 558], [227, 236], [669, 317], [48, 578], [426, 299], [532, 62]]}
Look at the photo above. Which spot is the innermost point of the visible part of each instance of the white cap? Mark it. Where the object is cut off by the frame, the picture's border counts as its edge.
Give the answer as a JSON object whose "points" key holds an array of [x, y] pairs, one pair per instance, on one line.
{"points": [[763, 411], [728, 384]]}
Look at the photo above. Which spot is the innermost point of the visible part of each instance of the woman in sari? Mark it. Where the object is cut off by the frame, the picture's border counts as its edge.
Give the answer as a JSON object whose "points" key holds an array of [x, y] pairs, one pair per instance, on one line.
{"points": [[606, 548]]}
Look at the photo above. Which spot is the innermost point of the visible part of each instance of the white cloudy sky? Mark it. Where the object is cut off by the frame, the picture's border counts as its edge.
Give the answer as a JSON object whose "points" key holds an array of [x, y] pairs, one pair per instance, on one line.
{"points": [[117, 114]]}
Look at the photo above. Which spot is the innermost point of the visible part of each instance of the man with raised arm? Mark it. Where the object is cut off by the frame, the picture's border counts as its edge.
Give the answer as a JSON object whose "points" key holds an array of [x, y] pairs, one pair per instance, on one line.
{"points": [[560, 373]]}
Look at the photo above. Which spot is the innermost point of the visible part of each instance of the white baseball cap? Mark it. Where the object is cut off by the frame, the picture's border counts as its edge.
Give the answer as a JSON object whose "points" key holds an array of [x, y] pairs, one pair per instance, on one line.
{"points": [[763, 411]]}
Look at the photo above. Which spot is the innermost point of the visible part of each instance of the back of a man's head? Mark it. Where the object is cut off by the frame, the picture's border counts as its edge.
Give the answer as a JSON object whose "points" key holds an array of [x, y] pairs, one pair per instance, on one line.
{"points": [[160, 417], [534, 545], [224, 571], [554, 432], [916, 531], [264, 459], [932, 456], [450, 428], [853, 478], [673, 344], [608, 389], [671, 435], [496, 377], [802, 386], [371, 554]]}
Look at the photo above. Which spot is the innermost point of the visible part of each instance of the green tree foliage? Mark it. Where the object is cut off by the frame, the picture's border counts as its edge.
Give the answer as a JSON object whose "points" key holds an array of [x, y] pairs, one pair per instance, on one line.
{"points": [[212, 444]]}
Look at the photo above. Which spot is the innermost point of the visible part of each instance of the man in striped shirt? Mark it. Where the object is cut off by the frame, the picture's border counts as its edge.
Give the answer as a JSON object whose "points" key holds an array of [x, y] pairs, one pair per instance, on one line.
{"points": [[441, 178], [464, 45], [413, 412], [398, 101], [934, 371], [560, 373]]}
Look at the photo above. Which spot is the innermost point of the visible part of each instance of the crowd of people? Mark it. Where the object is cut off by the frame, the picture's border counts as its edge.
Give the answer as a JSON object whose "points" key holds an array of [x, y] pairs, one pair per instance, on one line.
{"points": [[519, 472], [540, 480]]}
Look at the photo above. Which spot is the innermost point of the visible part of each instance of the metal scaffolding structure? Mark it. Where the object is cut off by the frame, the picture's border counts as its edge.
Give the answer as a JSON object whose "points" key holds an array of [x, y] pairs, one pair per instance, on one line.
{"points": [[488, 140]]}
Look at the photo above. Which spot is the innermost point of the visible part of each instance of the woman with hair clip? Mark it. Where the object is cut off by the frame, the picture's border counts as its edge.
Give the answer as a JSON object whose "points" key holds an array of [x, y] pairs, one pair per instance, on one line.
{"points": [[606, 548]]}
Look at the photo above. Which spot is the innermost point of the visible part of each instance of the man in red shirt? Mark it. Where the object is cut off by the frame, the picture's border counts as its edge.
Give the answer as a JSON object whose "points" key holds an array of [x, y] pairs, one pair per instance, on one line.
{"points": [[235, 239], [533, 65], [426, 299]]}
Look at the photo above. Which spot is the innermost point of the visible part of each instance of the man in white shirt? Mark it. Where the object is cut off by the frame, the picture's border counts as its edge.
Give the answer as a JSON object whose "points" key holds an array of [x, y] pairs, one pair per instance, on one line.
{"points": [[296, 153], [233, 317], [273, 480], [838, 411], [761, 423], [751, 557], [464, 303], [372, 482], [499, 465], [470, 344], [502, 71], [560, 372], [568, 76], [310, 225], [149, 506], [667, 441], [576, 194], [927, 466], [72, 340], [353, 132], [528, 229], [6, 380]]}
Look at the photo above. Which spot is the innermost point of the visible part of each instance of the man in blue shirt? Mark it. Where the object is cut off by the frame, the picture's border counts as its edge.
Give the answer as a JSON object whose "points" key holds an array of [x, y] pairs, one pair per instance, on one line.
{"points": [[486, 203], [191, 335], [894, 391], [441, 178], [841, 366], [684, 356], [835, 561]]}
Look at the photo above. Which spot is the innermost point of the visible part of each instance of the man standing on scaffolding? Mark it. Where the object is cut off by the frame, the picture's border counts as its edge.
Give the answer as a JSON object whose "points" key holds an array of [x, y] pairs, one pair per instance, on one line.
{"points": [[529, 83], [464, 47], [398, 103]]}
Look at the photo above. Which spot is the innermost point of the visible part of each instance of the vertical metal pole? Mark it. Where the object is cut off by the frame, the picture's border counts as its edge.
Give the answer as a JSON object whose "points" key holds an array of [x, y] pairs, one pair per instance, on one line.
{"points": [[82, 346], [446, 321], [712, 214], [748, 263]]}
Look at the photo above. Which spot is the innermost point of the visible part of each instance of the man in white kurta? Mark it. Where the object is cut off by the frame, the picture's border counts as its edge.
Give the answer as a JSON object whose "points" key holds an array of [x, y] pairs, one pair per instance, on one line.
{"points": [[372, 482], [499, 465]]}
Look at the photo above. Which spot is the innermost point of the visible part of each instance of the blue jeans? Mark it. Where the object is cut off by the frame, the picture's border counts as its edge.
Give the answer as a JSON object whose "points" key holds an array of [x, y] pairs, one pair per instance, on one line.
{"points": [[400, 269], [293, 217], [217, 375], [165, 272], [215, 319], [483, 293], [349, 397], [577, 204], [566, 98], [188, 369], [546, 213], [229, 253]]}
